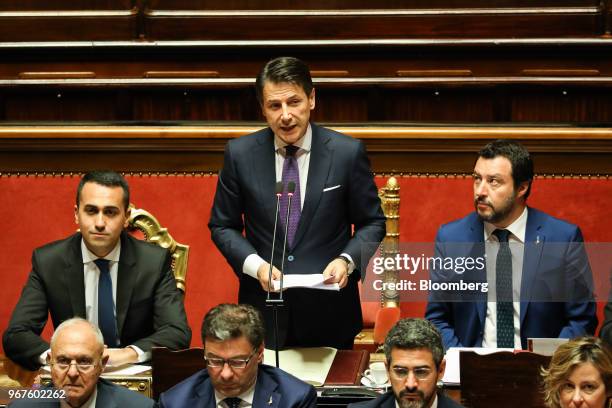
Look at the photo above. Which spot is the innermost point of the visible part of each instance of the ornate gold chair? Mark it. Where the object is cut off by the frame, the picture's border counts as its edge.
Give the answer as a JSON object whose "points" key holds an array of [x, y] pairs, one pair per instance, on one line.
{"points": [[369, 338], [145, 222]]}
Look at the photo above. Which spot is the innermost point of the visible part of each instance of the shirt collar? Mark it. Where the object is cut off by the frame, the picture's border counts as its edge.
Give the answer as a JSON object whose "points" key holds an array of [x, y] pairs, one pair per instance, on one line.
{"points": [[89, 256], [517, 228], [245, 396], [304, 143]]}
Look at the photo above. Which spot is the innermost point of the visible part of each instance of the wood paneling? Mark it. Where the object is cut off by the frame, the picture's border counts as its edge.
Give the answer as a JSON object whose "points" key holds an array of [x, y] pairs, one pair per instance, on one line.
{"points": [[392, 149], [47, 5], [358, 4], [344, 100], [345, 24], [68, 26]]}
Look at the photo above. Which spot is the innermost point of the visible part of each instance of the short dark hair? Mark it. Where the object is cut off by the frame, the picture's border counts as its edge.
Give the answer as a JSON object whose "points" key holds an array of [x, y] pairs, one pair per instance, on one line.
{"points": [[410, 334], [107, 178], [230, 321], [517, 154], [284, 69]]}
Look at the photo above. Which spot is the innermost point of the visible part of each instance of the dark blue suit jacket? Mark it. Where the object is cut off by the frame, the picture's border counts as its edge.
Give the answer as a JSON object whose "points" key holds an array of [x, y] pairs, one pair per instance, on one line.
{"points": [[109, 396], [556, 284], [340, 194], [274, 389], [387, 400]]}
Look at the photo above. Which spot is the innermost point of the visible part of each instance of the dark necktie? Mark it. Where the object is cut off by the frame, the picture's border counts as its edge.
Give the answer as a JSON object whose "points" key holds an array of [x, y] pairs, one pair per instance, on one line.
{"points": [[106, 306], [503, 279], [233, 402], [291, 174]]}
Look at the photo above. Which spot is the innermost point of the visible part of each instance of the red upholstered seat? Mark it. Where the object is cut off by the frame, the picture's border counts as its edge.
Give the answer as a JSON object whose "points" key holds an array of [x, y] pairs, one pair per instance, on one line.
{"points": [[39, 209]]}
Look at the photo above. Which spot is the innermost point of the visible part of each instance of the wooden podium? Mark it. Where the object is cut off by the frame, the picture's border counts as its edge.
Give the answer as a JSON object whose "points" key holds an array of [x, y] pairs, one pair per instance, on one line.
{"points": [[502, 379]]}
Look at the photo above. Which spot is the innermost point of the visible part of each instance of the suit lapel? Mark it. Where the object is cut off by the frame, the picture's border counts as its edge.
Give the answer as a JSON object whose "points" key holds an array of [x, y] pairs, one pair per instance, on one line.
{"points": [[318, 170], [477, 250], [534, 244], [203, 395], [263, 161], [74, 278], [104, 398], [265, 391], [127, 276]]}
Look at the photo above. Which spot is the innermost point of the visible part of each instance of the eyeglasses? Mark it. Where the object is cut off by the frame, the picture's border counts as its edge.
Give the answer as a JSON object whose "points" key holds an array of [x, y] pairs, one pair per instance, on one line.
{"points": [[63, 364], [420, 373], [232, 362]]}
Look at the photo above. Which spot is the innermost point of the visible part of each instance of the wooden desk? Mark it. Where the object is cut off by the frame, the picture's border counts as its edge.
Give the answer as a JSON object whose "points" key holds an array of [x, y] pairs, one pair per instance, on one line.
{"points": [[346, 371]]}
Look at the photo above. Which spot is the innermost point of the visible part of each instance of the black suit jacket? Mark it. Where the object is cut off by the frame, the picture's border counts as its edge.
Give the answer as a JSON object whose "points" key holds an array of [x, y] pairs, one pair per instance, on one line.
{"points": [[387, 400], [340, 194], [109, 396], [149, 306]]}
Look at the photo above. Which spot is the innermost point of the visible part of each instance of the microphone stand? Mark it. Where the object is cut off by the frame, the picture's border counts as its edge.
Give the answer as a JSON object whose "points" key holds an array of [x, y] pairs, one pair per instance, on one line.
{"points": [[279, 301], [274, 303]]}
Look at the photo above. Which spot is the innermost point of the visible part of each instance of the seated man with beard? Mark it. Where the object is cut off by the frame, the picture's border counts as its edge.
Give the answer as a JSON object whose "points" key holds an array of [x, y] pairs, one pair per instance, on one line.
{"points": [[415, 363]]}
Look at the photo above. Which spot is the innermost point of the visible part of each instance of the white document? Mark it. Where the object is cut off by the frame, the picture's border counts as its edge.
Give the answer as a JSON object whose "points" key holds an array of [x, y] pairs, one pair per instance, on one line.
{"points": [[545, 346], [452, 372], [313, 281], [310, 364]]}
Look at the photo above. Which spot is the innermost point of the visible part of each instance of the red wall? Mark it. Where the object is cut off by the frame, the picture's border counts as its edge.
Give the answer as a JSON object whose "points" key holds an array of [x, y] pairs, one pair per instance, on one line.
{"points": [[36, 210]]}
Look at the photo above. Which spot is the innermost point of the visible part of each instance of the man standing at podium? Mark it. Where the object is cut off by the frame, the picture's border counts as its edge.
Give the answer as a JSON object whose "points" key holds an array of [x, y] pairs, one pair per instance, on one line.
{"points": [[538, 275], [335, 221]]}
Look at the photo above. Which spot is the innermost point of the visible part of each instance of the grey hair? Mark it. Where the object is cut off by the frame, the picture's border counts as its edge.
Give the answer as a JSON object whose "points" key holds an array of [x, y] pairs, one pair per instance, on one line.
{"points": [[76, 321], [230, 321], [409, 334]]}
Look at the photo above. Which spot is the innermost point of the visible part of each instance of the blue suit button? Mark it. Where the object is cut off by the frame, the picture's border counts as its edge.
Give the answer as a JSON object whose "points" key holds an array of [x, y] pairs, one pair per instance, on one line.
{"points": [[290, 258]]}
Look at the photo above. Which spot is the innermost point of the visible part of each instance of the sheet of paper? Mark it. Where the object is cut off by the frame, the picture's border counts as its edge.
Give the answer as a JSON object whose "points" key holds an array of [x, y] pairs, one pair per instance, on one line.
{"points": [[545, 346], [308, 364], [452, 372], [313, 281], [126, 370]]}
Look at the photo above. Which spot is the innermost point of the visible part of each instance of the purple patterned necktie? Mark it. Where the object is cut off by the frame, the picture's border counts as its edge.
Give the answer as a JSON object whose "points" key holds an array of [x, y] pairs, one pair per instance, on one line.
{"points": [[291, 174]]}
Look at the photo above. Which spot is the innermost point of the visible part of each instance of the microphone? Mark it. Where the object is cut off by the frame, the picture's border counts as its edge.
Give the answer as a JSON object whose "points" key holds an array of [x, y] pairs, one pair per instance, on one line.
{"points": [[279, 192], [290, 192]]}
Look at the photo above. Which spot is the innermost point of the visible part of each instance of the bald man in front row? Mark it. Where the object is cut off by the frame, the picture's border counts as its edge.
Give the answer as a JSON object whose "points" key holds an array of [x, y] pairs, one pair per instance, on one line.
{"points": [[77, 360]]}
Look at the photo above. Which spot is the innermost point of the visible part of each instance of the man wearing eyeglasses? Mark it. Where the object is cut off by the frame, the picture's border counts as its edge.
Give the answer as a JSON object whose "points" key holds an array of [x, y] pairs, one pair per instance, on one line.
{"points": [[233, 337], [415, 364], [77, 360]]}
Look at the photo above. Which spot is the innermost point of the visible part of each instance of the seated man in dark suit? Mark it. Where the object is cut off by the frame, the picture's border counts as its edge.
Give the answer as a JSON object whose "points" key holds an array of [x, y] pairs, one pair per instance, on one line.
{"points": [[415, 364], [77, 359], [538, 275], [233, 337], [121, 284]]}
